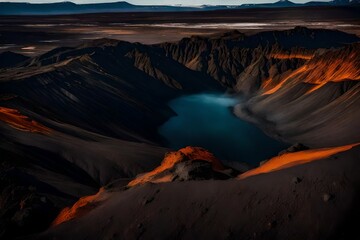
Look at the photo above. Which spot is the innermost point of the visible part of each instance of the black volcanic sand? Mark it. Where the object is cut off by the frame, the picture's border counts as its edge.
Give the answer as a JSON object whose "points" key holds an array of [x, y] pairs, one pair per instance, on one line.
{"points": [[32, 35]]}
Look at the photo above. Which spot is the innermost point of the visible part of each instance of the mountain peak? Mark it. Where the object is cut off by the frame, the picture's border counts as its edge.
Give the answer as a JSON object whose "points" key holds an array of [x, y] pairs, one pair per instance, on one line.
{"points": [[68, 3], [284, 2]]}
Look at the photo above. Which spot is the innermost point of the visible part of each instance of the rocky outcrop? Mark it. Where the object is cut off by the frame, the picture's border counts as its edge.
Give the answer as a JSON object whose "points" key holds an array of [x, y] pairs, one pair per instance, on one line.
{"points": [[187, 164], [190, 163]]}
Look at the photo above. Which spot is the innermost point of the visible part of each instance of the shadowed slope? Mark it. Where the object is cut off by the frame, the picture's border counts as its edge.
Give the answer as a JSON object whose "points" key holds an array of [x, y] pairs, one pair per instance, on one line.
{"points": [[11, 59], [95, 85]]}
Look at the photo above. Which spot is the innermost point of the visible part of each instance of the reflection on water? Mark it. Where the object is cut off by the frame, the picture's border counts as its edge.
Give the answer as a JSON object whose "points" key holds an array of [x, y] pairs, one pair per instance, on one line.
{"points": [[206, 120]]}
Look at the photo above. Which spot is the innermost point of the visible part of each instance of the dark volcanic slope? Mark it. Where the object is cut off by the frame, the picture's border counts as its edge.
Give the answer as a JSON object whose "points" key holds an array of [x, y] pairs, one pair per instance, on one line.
{"points": [[94, 86], [75, 119], [312, 201], [10, 59]]}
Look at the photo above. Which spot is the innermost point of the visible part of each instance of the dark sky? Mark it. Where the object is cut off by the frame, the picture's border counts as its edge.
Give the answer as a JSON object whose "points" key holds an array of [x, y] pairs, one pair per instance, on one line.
{"points": [[164, 2]]}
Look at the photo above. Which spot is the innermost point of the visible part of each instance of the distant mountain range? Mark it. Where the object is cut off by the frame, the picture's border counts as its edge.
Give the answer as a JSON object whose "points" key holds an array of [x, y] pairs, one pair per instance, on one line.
{"points": [[11, 8]]}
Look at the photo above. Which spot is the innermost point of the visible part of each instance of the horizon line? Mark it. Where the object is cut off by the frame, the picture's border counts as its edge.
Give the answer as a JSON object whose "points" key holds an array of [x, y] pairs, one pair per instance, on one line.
{"points": [[175, 5]]}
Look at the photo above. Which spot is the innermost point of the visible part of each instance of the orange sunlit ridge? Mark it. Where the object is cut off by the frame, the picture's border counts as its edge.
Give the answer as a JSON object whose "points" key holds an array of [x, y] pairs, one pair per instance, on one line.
{"points": [[288, 160], [80, 208], [283, 81], [188, 153], [283, 56], [332, 66], [18, 121]]}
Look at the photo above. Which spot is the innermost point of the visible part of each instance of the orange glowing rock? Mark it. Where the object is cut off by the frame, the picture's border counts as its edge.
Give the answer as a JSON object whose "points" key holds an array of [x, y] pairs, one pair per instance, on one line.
{"points": [[324, 70], [291, 56], [286, 79], [329, 69], [80, 208], [296, 158], [16, 120], [331, 66], [184, 154]]}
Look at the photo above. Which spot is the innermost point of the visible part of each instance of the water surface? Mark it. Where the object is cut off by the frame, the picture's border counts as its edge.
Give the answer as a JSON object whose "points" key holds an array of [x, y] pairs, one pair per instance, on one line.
{"points": [[206, 120]]}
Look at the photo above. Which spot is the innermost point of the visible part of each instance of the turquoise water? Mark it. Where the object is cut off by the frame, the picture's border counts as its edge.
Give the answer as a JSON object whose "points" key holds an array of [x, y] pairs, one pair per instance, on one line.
{"points": [[206, 120]]}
